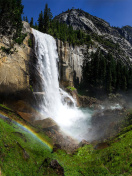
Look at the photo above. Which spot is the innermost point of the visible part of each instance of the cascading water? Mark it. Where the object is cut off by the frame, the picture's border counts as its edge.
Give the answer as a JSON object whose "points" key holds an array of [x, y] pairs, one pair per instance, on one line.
{"points": [[53, 104]]}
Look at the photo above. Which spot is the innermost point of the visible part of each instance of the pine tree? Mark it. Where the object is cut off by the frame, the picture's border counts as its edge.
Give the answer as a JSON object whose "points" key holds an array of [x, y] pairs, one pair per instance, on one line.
{"points": [[26, 19], [40, 22], [47, 18], [118, 77], [10, 17], [36, 26], [31, 22], [102, 70], [109, 80]]}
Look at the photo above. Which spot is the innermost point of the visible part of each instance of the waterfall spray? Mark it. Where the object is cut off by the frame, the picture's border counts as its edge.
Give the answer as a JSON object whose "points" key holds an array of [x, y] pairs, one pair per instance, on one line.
{"points": [[52, 103]]}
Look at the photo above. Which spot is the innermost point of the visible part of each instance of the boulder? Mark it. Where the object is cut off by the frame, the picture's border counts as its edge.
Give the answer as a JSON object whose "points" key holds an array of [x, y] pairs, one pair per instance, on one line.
{"points": [[68, 101], [46, 123], [75, 96], [86, 101], [101, 145], [83, 143]]}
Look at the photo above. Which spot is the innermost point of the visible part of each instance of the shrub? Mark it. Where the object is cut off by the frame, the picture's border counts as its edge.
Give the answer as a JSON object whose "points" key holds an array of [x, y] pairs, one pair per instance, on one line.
{"points": [[30, 44], [20, 39], [6, 50]]}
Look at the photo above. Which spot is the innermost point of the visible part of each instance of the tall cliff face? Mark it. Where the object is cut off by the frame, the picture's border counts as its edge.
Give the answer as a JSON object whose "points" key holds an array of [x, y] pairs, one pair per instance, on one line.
{"points": [[126, 32], [16, 64], [106, 38], [81, 20], [71, 61], [70, 65]]}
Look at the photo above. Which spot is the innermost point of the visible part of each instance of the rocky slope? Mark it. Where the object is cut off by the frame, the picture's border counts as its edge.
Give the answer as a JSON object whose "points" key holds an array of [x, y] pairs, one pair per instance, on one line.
{"points": [[70, 65], [126, 32], [81, 20], [104, 37]]}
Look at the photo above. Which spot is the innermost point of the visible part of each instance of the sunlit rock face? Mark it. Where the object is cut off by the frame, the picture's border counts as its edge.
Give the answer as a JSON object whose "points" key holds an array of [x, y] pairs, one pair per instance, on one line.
{"points": [[126, 32], [15, 67], [70, 64], [81, 20]]}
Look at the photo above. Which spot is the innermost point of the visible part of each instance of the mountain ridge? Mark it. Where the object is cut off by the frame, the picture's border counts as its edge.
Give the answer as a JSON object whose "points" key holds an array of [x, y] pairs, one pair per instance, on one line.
{"points": [[81, 20]]}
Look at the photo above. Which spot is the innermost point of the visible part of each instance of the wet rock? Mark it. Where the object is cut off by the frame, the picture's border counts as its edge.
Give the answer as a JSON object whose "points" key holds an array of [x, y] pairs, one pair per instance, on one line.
{"points": [[86, 101], [68, 101], [106, 124], [74, 94], [55, 165], [62, 140], [27, 116], [46, 123], [101, 146], [83, 143]]}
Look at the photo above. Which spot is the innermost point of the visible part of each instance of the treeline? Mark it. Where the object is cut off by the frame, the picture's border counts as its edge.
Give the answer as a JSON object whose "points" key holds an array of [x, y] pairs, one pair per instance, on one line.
{"points": [[61, 31], [66, 33], [10, 17], [104, 72]]}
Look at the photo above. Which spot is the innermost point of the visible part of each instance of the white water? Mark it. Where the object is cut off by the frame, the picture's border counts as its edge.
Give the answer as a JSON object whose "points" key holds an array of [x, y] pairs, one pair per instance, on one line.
{"points": [[116, 106], [70, 119]]}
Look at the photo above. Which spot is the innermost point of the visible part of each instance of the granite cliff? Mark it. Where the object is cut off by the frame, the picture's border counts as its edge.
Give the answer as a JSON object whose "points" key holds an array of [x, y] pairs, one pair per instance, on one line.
{"points": [[104, 37], [17, 72], [16, 65]]}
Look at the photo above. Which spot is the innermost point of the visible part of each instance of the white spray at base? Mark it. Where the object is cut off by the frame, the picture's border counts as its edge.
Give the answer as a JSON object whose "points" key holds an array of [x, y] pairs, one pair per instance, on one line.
{"points": [[70, 119]]}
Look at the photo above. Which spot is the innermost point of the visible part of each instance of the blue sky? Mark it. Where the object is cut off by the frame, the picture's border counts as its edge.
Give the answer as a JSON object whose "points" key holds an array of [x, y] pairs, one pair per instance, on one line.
{"points": [[116, 12]]}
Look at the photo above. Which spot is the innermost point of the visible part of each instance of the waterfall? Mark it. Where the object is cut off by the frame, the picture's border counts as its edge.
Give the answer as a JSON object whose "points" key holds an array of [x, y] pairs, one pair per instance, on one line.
{"points": [[53, 102]]}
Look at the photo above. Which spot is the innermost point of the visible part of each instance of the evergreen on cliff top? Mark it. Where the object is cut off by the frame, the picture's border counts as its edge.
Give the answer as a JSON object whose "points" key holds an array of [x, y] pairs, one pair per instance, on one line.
{"points": [[10, 17]]}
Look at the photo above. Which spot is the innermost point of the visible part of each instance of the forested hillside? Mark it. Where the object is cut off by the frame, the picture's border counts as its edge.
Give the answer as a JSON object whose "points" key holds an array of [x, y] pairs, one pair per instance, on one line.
{"points": [[107, 69]]}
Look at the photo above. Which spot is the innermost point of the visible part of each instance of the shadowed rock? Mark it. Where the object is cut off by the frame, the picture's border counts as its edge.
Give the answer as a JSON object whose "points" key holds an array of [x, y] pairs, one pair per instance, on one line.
{"points": [[83, 143]]}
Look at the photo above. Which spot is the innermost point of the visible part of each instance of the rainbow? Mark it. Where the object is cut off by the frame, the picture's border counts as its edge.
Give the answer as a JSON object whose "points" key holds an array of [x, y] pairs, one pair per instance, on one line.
{"points": [[30, 130]]}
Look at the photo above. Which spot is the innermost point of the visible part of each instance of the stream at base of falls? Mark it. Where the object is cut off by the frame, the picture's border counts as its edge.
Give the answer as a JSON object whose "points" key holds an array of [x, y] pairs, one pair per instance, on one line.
{"points": [[52, 102], [71, 119]]}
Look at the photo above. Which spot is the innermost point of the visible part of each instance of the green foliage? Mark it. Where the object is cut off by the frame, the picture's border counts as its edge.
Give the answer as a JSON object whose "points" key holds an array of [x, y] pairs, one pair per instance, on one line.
{"points": [[47, 18], [6, 50], [105, 73], [5, 107], [40, 22], [26, 19], [31, 22], [71, 88], [67, 34], [44, 19], [14, 143], [10, 17], [30, 44], [20, 39], [31, 88], [61, 30], [115, 160]]}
